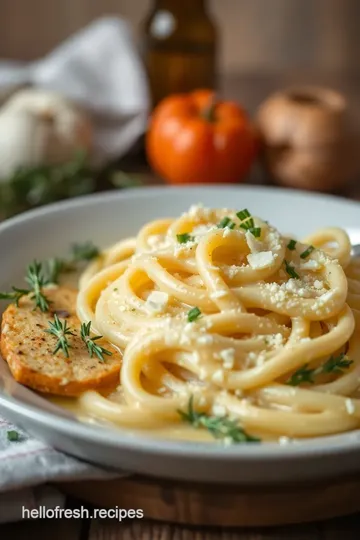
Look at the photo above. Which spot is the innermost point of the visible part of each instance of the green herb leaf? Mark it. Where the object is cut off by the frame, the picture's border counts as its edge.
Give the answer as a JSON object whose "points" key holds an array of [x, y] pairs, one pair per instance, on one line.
{"points": [[36, 279], [291, 245], [92, 347], [55, 267], [336, 364], [184, 238], [255, 231], [193, 314], [243, 214], [219, 427], [302, 375], [34, 186], [226, 222], [122, 179], [248, 224], [307, 252], [84, 252], [61, 331], [15, 295], [291, 270], [13, 435]]}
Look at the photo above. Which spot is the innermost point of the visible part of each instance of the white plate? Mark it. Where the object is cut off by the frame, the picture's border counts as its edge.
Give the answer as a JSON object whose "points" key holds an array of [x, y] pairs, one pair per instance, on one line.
{"points": [[107, 217]]}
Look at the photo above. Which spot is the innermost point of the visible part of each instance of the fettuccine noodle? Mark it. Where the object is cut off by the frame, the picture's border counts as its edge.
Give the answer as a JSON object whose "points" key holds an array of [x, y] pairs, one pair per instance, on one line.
{"points": [[228, 312]]}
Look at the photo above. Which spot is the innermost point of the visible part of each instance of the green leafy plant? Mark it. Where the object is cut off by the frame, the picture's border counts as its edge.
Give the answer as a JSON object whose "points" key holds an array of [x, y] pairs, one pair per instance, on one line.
{"points": [[220, 427]]}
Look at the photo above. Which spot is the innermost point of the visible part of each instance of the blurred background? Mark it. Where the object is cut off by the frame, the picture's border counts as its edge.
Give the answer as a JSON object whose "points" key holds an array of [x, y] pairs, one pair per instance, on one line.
{"points": [[244, 49], [256, 35]]}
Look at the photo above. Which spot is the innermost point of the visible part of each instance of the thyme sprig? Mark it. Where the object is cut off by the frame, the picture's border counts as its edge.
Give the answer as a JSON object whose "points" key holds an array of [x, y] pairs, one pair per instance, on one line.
{"points": [[34, 186], [335, 364], [220, 427], [92, 347], [81, 252], [61, 331], [36, 279], [87, 251], [14, 295]]}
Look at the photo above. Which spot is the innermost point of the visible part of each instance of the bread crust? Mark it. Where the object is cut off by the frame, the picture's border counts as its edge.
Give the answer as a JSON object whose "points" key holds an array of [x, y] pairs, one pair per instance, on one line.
{"points": [[28, 349]]}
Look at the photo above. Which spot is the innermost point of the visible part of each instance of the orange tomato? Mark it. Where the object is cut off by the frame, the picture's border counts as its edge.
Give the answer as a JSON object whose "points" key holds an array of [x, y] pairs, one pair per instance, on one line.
{"points": [[192, 138]]}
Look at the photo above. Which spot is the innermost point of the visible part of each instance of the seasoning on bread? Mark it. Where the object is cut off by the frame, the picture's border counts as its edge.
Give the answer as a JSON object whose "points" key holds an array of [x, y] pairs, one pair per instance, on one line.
{"points": [[29, 349]]}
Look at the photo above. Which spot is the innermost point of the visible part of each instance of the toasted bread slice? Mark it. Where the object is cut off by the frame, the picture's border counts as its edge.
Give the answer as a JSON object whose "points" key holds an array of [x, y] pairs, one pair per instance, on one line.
{"points": [[28, 349]]}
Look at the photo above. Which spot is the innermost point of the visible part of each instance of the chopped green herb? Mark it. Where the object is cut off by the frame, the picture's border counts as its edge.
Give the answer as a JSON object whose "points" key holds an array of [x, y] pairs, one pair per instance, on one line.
{"points": [[291, 270], [307, 252], [219, 427], [36, 279], [193, 314], [13, 435], [184, 238], [248, 224], [255, 231], [61, 331], [226, 222], [243, 214], [291, 245], [92, 347]]}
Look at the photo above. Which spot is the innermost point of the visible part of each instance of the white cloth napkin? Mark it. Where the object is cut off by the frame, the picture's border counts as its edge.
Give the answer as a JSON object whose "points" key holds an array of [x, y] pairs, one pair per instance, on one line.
{"points": [[26, 464], [100, 69]]}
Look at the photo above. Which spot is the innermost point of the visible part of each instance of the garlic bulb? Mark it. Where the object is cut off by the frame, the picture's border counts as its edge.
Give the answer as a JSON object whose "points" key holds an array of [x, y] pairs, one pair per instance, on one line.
{"points": [[40, 127]]}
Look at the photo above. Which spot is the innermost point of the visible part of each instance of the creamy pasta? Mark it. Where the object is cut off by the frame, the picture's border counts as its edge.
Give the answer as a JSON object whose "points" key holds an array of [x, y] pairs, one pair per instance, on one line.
{"points": [[217, 309]]}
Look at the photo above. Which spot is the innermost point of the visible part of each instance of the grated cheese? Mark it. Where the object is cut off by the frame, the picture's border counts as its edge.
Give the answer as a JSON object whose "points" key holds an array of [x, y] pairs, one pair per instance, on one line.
{"points": [[157, 301], [260, 260], [218, 376], [350, 407], [228, 357]]}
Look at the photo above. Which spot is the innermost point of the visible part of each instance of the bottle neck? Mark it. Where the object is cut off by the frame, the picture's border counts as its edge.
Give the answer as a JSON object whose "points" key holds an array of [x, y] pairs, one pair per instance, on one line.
{"points": [[180, 6]]}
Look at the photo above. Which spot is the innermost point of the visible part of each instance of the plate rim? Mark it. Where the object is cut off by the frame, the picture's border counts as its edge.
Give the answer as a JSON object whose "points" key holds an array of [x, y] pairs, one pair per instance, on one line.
{"points": [[347, 443]]}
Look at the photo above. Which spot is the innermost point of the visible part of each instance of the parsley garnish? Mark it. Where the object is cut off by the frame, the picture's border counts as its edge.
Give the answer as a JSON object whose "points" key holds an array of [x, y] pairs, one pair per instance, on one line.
{"points": [[335, 364], [307, 252], [291, 270], [92, 347], [193, 314], [12, 435], [291, 245], [61, 331], [184, 238], [219, 427]]}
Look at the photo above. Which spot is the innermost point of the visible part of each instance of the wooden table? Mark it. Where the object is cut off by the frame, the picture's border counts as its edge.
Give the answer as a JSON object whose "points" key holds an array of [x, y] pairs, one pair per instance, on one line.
{"points": [[251, 90], [105, 529]]}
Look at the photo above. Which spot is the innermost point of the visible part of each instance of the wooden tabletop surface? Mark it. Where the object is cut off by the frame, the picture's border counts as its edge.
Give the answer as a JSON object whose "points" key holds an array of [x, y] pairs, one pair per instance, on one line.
{"points": [[251, 90], [347, 528]]}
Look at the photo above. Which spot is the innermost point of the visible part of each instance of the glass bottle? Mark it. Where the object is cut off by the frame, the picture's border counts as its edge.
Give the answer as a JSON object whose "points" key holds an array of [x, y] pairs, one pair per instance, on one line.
{"points": [[179, 47]]}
